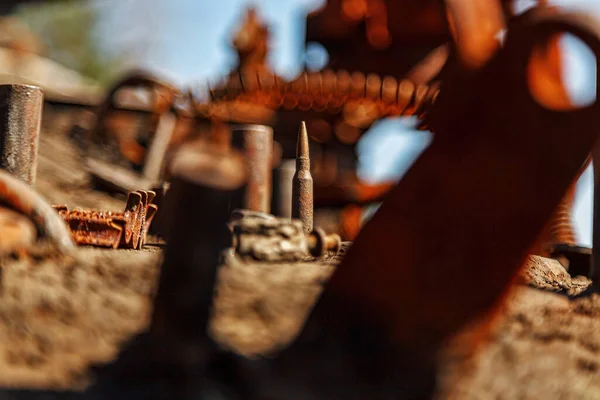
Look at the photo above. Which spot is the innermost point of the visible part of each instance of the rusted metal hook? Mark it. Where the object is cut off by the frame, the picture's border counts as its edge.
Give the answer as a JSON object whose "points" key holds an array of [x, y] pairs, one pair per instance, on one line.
{"points": [[21, 197]]}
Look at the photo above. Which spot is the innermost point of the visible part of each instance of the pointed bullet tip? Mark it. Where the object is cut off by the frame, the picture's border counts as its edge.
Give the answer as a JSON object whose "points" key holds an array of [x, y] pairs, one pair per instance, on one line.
{"points": [[302, 144]]}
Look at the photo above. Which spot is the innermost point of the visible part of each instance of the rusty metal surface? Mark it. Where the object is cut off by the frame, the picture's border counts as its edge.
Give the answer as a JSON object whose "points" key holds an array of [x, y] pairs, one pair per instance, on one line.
{"points": [[21, 197], [18, 231], [320, 243], [126, 229], [256, 142], [595, 268], [326, 92], [469, 209], [302, 183], [20, 116]]}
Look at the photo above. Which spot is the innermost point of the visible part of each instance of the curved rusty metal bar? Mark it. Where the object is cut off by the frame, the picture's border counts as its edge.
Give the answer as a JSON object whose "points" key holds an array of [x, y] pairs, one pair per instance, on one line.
{"points": [[18, 195], [468, 210]]}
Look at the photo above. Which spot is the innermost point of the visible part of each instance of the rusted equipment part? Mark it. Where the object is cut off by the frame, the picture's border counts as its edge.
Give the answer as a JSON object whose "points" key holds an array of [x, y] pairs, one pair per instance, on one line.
{"points": [[155, 156], [256, 141], [561, 228], [270, 240], [115, 179], [251, 42], [475, 26], [282, 188], [263, 237], [456, 210], [320, 243], [302, 183], [579, 258], [429, 68], [18, 232], [127, 144], [127, 229], [19, 196], [381, 96], [21, 117]]}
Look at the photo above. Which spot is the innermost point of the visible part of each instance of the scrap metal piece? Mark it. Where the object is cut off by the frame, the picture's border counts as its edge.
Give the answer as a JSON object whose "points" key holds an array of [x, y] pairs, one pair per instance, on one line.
{"points": [[320, 243], [155, 155], [113, 178], [256, 141], [270, 240], [21, 197], [475, 25], [17, 231], [469, 209], [302, 183], [127, 229], [20, 119]]}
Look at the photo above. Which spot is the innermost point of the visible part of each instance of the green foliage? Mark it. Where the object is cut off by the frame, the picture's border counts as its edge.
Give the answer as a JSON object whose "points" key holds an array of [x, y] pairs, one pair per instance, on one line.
{"points": [[68, 29]]}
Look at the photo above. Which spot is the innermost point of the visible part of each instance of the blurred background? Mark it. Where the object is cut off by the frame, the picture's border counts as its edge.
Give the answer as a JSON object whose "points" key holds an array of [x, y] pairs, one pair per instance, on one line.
{"points": [[82, 46]]}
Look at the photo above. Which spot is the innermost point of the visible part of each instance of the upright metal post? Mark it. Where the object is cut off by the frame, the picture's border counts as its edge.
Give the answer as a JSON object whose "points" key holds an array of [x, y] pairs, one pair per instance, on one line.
{"points": [[256, 141], [20, 118]]}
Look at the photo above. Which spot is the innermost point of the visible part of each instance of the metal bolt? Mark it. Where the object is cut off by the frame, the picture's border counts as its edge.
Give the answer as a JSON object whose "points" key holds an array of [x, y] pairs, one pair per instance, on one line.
{"points": [[302, 183], [20, 116], [256, 141]]}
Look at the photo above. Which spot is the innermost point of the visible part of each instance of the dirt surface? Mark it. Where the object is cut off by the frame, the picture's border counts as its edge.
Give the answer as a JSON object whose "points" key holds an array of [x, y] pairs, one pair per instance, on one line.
{"points": [[58, 315]]}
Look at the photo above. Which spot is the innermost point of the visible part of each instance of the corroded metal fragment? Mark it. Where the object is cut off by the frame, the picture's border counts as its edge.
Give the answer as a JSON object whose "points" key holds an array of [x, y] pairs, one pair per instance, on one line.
{"points": [[126, 229]]}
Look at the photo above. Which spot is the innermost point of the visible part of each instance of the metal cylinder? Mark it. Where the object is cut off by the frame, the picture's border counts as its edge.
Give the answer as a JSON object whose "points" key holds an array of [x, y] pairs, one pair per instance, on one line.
{"points": [[256, 141], [21, 116], [205, 180], [282, 188]]}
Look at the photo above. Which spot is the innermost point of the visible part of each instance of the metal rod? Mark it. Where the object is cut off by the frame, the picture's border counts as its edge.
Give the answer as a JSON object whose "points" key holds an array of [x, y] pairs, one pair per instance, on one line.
{"points": [[20, 116], [156, 153], [256, 141], [282, 197]]}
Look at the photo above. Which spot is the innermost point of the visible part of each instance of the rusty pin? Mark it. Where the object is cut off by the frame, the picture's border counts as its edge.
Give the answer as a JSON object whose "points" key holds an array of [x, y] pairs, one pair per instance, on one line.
{"points": [[20, 119], [302, 183], [256, 142]]}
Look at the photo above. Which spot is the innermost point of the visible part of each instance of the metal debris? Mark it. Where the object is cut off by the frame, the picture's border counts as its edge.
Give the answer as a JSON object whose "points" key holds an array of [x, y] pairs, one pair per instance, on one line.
{"points": [[20, 116], [113, 178], [18, 231], [302, 183], [21, 197], [470, 208], [270, 239], [127, 229], [320, 243]]}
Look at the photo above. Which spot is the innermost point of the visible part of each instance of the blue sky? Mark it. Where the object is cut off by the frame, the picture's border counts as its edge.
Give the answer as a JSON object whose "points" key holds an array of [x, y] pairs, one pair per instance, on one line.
{"points": [[187, 40]]}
